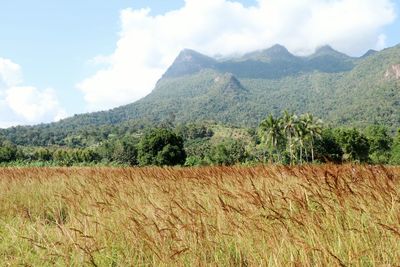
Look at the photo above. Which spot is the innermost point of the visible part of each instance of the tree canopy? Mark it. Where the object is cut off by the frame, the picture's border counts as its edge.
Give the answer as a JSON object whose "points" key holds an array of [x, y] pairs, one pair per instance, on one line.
{"points": [[161, 147]]}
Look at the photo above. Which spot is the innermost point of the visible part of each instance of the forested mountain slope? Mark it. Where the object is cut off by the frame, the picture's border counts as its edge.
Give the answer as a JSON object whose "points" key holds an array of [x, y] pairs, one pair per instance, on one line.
{"points": [[341, 90]]}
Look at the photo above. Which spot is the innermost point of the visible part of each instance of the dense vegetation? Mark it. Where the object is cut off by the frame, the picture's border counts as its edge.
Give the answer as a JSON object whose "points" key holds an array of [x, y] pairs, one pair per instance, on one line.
{"points": [[289, 139], [199, 93], [328, 215], [341, 90]]}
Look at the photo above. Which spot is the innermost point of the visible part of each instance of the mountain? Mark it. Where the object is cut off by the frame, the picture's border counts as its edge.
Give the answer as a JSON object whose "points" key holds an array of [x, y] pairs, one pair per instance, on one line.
{"points": [[326, 59], [340, 89], [189, 62], [369, 53], [272, 54]]}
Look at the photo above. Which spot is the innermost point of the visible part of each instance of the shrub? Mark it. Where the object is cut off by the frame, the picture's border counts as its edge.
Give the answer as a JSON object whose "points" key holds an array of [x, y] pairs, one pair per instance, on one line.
{"points": [[161, 147]]}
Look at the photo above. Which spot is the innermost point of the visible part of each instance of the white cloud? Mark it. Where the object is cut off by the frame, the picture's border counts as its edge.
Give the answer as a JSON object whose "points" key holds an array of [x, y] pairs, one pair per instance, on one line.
{"points": [[148, 44], [21, 104], [10, 73], [31, 104], [381, 42]]}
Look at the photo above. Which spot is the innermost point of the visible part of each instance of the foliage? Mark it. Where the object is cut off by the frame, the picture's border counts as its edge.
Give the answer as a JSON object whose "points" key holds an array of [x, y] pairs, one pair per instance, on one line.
{"points": [[194, 131], [271, 134], [341, 90], [297, 133], [43, 154], [327, 148], [69, 157], [380, 143], [289, 139], [122, 150], [228, 152], [198, 148], [395, 157], [8, 152], [354, 144], [161, 147]]}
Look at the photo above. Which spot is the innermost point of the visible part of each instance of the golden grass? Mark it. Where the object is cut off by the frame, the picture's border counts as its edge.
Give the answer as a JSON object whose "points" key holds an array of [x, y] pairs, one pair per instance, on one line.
{"points": [[216, 216]]}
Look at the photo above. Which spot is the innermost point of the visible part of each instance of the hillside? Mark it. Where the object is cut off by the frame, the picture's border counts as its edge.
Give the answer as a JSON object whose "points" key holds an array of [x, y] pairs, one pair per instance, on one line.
{"points": [[341, 90]]}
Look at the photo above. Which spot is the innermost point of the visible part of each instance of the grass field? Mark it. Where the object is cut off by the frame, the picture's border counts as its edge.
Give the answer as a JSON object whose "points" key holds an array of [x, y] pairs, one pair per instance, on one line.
{"points": [[226, 216]]}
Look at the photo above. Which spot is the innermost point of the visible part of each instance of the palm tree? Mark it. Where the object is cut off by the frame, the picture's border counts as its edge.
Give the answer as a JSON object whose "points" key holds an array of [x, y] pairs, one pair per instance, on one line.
{"points": [[271, 132], [313, 129], [301, 136], [289, 121]]}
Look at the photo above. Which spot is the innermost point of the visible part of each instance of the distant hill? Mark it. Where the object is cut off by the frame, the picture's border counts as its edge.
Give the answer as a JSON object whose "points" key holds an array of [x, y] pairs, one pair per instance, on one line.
{"points": [[340, 89]]}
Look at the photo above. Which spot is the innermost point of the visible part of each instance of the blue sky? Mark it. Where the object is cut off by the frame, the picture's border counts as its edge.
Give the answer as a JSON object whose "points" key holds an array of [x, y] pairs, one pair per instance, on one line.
{"points": [[66, 52]]}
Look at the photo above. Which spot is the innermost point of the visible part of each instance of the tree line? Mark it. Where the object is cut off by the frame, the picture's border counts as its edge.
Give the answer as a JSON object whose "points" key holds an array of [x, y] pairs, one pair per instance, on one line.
{"points": [[304, 139], [286, 139]]}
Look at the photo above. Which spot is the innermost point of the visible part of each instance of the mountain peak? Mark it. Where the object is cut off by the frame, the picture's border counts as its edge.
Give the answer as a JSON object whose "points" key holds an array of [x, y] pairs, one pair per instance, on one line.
{"points": [[189, 53], [325, 49], [277, 48], [328, 50], [227, 83], [276, 52], [369, 53], [188, 62]]}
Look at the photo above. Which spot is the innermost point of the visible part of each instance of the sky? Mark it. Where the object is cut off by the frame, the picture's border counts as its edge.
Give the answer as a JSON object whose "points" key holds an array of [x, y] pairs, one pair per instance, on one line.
{"points": [[63, 57]]}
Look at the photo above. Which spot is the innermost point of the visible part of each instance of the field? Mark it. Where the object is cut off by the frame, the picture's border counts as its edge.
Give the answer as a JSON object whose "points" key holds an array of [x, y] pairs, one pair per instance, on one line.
{"points": [[227, 216]]}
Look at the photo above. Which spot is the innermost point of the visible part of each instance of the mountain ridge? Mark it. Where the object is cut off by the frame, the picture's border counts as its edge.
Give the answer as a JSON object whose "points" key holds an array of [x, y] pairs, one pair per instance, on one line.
{"points": [[274, 62], [340, 89]]}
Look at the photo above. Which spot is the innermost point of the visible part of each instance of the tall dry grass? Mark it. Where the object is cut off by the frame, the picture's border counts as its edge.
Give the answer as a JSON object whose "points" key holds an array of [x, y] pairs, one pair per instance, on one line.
{"points": [[227, 216]]}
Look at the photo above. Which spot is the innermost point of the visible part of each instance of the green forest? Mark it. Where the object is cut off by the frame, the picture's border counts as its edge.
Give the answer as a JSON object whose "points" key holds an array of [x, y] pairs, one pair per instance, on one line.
{"points": [[284, 139], [206, 111], [339, 89]]}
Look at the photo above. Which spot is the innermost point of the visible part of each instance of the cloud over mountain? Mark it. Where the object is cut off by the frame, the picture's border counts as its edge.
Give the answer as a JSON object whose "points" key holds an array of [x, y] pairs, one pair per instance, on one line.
{"points": [[148, 44]]}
